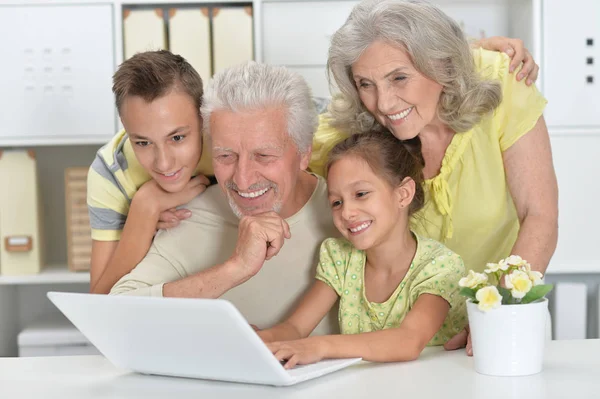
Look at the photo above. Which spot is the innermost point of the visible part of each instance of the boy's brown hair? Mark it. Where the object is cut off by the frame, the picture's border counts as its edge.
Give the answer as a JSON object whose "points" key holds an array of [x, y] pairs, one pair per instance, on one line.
{"points": [[153, 74]]}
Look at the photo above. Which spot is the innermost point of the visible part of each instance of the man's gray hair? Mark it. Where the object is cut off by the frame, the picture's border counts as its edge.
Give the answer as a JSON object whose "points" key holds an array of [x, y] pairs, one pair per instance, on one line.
{"points": [[253, 85]]}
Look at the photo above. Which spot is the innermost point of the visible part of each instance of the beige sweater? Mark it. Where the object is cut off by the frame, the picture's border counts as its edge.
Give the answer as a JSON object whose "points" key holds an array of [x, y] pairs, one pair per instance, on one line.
{"points": [[208, 238]]}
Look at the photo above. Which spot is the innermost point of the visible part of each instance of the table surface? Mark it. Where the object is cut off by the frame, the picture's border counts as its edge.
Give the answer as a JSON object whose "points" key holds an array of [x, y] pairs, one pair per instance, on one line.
{"points": [[571, 370]]}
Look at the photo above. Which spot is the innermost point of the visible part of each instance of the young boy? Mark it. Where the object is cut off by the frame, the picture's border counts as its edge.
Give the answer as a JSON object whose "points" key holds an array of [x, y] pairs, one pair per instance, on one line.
{"points": [[141, 176]]}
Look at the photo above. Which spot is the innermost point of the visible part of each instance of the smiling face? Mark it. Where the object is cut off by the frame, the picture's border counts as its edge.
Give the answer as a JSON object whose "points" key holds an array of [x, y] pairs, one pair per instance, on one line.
{"points": [[166, 137], [256, 162], [366, 209], [397, 95]]}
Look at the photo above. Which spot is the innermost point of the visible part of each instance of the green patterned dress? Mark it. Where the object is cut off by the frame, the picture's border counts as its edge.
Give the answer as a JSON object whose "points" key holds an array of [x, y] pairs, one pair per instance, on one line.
{"points": [[434, 270]]}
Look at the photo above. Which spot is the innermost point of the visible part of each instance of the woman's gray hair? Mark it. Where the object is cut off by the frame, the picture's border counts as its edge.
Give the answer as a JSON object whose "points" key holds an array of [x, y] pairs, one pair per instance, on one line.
{"points": [[437, 48], [253, 85]]}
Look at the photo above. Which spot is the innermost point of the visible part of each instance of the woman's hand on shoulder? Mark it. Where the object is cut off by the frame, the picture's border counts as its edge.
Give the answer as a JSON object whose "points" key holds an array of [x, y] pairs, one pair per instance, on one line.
{"points": [[165, 204], [515, 49]]}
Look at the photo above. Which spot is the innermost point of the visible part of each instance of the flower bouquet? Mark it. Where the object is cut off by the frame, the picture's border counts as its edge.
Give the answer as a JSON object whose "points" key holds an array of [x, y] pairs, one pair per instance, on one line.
{"points": [[508, 313]]}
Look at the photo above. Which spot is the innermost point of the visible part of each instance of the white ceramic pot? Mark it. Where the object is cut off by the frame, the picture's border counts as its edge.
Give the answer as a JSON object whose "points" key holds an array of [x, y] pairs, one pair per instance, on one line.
{"points": [[509, 341]]}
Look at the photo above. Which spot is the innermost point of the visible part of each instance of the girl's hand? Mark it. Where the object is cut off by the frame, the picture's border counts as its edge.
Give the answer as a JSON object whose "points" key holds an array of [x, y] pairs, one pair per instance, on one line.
{"points": [[265, 335], [302, 351], [461, 340], [515, 48]]}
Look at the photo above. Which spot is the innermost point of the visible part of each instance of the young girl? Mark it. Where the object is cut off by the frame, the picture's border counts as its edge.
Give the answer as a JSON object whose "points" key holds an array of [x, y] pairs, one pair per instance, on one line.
{"points": [[398, 291]]}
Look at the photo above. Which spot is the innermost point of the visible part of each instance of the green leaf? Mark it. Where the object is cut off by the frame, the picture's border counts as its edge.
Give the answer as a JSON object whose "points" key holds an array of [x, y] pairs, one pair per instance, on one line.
{"points": [[506, 297], [537, 292], [469, 293]]}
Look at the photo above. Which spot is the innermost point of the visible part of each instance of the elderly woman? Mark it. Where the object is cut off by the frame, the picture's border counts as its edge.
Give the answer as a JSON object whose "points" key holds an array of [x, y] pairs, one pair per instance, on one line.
{"points": [[490, 185]]}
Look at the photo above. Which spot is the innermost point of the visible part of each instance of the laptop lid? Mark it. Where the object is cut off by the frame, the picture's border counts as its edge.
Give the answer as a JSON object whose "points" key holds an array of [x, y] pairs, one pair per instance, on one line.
{"points": [[196, 338]]}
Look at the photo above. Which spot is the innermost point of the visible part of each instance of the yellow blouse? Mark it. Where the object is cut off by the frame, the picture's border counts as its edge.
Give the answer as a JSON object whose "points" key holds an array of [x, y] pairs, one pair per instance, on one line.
{"points": [[468, 205]]}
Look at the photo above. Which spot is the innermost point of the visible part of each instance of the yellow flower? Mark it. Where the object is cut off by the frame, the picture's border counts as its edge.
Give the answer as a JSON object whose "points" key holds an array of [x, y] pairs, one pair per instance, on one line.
{"points": [[473, 280], [489, 298], [519, 283]]}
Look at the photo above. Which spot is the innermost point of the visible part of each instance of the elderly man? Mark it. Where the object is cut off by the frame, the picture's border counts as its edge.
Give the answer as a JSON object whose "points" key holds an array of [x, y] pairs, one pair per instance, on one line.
{"points": [[253, 238]]}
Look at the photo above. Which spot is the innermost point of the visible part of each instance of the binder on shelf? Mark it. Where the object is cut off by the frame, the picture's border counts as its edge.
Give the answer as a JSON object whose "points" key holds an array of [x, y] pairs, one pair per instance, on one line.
{"points": [[79, 235], [21, 241], [189, 36], [233, 40], [143, 30]]}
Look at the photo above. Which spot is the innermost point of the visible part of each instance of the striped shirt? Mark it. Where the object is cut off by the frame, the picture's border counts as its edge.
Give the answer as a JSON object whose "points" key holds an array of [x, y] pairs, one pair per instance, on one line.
{"points": [[113, 179]]}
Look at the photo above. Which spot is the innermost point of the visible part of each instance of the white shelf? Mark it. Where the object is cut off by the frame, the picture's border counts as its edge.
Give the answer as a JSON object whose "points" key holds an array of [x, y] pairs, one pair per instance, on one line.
{"points": [[51, 274], [572, 268], [52, 141]]}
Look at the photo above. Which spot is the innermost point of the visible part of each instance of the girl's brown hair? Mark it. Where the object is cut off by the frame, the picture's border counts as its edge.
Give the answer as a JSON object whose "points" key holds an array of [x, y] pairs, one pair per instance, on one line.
{"points": [[388, 157]]}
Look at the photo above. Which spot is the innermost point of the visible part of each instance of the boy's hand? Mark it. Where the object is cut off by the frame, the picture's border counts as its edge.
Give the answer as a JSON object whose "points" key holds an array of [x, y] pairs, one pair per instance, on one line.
{"points": [[164, 204], [171, 217], [303, 351]]}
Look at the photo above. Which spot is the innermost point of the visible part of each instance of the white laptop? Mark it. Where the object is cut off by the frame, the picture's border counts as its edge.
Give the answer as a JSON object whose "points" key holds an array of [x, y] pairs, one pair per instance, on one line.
{"points": [[194, 338]]}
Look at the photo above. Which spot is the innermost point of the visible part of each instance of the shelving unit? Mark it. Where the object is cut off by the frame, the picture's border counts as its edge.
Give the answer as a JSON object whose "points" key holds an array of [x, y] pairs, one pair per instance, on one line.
{"points": [[68, 90], [23, 300], [51, 274]]}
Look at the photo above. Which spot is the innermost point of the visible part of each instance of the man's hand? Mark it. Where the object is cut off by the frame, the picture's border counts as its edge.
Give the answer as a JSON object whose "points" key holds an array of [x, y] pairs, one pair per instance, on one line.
{"points": [[302, 351], [515, 48], [165, 203], [260, 237], [460, 340]]}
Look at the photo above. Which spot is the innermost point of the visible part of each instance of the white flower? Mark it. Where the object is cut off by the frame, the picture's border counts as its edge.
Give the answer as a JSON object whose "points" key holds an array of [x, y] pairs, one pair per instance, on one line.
{"points": [[515, 260], [489, 298], [494, 267], [473, 280], [534, 276], [519, 283]]}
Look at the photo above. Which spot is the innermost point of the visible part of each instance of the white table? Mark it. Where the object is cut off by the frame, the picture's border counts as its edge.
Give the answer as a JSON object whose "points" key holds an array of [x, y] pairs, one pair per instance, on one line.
{"points": [[571, 370]]}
